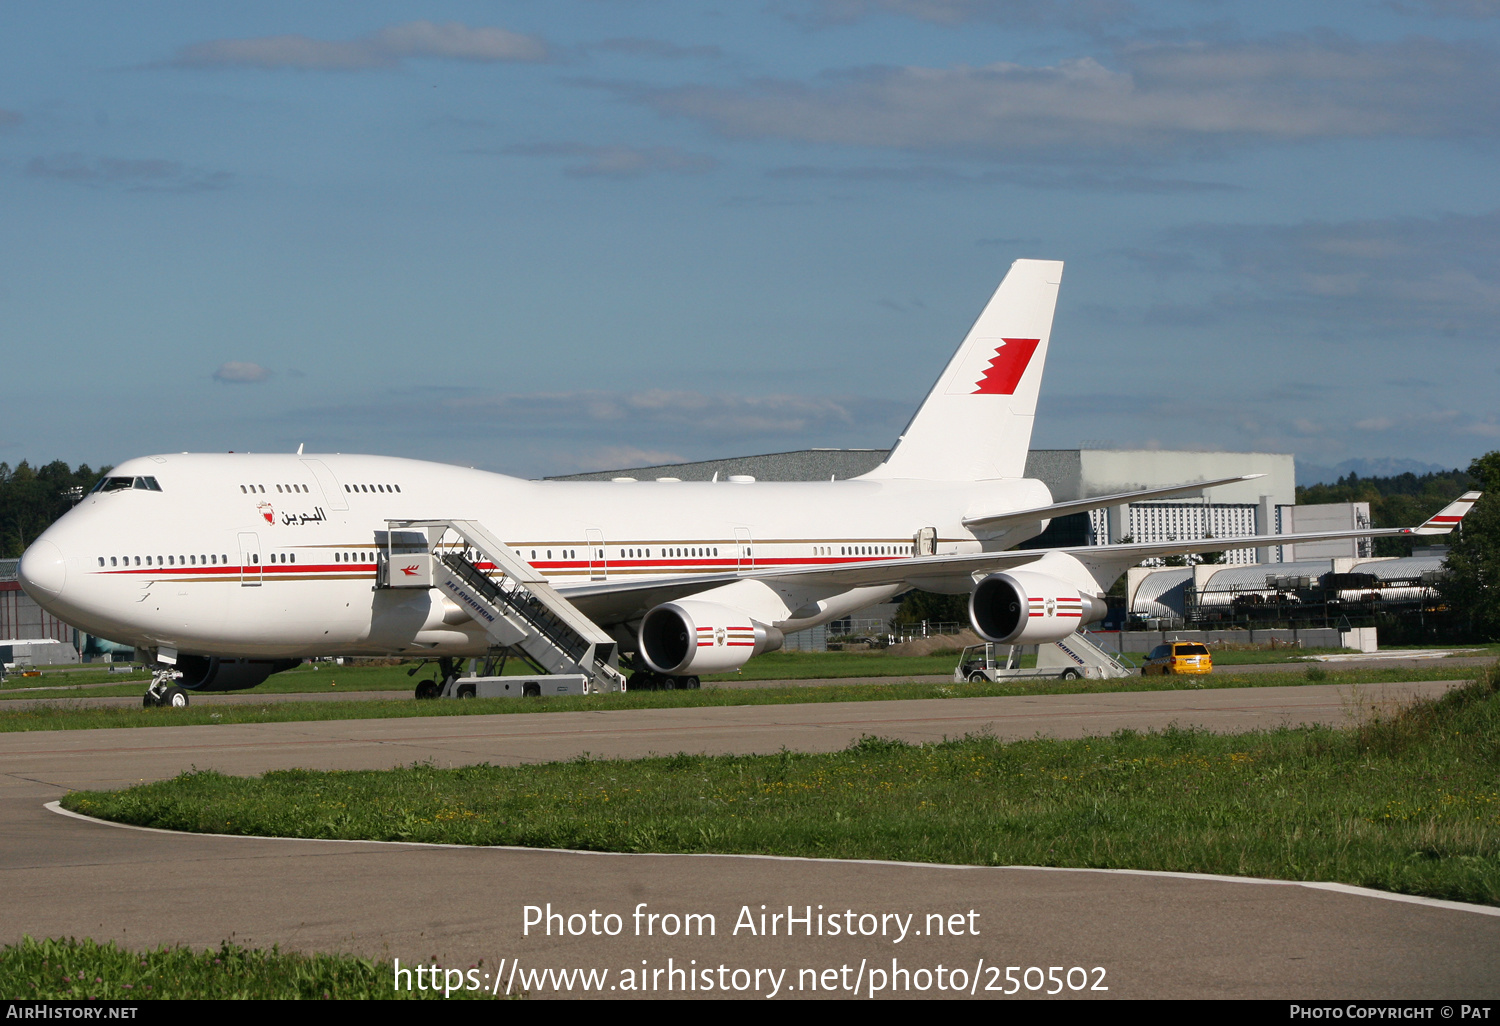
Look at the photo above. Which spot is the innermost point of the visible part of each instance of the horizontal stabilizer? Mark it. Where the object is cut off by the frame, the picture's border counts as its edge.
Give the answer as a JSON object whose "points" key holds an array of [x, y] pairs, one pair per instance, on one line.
{"points": [[1005, 521]]}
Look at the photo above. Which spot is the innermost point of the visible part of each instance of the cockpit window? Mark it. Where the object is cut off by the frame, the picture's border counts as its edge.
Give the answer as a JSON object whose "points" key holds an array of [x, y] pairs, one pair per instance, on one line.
{"points": [[120, 484]]}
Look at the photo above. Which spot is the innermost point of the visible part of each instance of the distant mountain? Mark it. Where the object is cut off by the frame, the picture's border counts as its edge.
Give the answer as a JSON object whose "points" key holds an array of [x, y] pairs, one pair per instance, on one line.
{"points": [[1310, 474]]}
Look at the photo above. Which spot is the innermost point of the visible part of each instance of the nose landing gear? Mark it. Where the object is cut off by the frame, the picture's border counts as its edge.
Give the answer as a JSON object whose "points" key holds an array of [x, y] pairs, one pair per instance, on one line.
{"points": [[164, 690], [443, 688]]}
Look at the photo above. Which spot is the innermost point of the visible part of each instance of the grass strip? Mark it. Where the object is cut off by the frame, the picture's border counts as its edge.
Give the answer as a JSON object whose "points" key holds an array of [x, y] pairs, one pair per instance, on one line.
{"points": [[65, 717], [83, 970], [328, 678], [1407, 802]]}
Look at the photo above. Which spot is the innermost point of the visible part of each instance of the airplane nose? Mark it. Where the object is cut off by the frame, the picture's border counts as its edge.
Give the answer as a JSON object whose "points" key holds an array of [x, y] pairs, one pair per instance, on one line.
{"points": [[43, 570]]}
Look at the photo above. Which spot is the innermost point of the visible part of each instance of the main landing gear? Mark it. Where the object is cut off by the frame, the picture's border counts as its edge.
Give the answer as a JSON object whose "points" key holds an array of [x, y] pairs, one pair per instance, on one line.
{"points": [[647, 680], [164, 691]]}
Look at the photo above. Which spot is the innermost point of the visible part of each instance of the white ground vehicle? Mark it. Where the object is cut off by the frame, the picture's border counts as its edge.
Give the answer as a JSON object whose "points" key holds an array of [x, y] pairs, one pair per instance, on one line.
{"points": [[1072, 658]]}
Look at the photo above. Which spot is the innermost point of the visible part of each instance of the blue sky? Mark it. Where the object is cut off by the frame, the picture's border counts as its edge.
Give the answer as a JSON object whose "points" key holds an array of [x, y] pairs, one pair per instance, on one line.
{"points": [[584, 234]]}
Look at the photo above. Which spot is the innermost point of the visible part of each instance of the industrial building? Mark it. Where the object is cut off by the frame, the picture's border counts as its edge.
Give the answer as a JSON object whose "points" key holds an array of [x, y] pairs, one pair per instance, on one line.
{"points": [[29, 635]]}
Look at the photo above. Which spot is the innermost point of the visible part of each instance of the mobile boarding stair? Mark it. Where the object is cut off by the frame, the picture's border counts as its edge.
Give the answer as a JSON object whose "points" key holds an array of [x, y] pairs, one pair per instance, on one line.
{"points": [[1072, 658], [519, 610]]}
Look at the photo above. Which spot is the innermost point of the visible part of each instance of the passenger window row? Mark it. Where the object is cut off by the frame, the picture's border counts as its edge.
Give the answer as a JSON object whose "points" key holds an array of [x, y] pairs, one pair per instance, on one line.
{"points": [[372, 488], [876, 550], [711, 551], [284, 489], [166, 560]]}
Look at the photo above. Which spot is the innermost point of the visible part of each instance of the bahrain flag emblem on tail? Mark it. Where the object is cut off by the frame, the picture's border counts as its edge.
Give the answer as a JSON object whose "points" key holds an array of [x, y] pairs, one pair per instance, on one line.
{"points": [[1007, 366]]}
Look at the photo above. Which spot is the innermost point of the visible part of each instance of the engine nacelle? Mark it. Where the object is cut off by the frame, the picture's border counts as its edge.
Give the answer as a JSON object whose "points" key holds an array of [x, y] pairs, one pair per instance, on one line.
{"points": [[212, 673], [697, 637], [1023, 607]]}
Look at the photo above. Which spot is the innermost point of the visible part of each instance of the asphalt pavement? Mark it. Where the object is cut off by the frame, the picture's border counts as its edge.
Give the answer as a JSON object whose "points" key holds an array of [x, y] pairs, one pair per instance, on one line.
{"points": [[1140, 935]]}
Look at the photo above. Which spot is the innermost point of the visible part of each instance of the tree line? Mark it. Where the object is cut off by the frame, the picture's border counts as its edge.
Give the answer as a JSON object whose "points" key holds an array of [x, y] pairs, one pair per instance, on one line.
{"points": [[31, 498], [1401, 500]]}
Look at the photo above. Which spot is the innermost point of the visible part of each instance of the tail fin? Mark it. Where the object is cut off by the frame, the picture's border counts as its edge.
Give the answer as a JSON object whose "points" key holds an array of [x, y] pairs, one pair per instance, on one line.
{"points": [[975, 424]]}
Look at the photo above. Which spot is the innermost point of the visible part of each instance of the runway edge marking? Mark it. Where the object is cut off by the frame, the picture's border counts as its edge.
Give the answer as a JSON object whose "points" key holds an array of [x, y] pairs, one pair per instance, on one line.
{"points": [[1350, 889]]}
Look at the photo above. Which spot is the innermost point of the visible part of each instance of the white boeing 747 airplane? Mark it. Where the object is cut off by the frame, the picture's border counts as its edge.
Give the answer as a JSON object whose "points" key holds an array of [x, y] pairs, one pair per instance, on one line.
{"points": [[227, 568]]}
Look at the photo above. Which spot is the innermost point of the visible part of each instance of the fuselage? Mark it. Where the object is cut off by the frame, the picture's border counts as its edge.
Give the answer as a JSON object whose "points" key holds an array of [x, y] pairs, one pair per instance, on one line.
{"points": [[275, 555]]}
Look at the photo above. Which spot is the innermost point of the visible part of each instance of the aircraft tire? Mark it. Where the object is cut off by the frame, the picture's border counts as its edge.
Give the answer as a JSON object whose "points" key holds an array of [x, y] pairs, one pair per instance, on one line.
{"points": [[175, 697], [149, 701], [691, 683], [427, 689]]}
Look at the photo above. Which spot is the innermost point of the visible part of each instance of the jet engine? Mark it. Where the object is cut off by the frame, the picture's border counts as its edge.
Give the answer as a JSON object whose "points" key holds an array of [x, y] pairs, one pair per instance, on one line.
{"points": [[1024, 607], [696, 637], [213, 673]]}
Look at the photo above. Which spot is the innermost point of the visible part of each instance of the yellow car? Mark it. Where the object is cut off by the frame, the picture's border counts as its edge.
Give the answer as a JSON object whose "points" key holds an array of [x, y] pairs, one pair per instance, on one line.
{"points": [[1178, 657]]}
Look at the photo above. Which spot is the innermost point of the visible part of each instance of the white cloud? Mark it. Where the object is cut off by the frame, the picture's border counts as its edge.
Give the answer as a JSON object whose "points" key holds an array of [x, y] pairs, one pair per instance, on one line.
{"points": [[612, 457], [617, 161], [1151, 100], [237, 373], [718, 415], [1484, 429], [142, 175], [1426, 277], [541, 433], [1074, 13], [1108, 180], [458, 42], [656, 48], [384, 49], [1451, 8]]}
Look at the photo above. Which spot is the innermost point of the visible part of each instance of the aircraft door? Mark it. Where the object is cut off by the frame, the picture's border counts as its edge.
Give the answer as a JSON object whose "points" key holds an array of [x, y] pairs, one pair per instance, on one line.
{"points": [[743, 547], [249, 560], [927, 541], [333, 492], [598, 561]]}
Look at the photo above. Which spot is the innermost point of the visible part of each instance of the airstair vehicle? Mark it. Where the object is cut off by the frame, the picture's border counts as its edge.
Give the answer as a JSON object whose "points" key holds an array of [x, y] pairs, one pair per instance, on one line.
{"points": [[519, 610], [1073, 658]]}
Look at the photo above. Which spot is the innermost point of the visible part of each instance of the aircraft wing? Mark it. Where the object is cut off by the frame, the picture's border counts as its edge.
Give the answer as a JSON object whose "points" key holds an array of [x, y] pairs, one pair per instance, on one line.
{"points": [[615, 602], [1004, 521]]}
